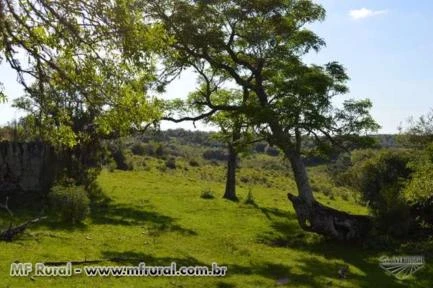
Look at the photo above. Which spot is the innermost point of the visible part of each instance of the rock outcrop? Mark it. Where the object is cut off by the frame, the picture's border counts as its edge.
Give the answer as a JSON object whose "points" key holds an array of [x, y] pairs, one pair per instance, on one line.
{"points": [[25, 168]]}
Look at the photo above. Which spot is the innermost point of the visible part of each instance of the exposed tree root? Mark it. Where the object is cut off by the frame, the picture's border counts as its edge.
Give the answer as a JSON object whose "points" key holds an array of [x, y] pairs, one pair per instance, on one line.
{"points": [[329, 222]]}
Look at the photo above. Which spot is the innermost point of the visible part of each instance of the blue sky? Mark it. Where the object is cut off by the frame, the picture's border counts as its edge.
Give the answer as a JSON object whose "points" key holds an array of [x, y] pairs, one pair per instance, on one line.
{"points": [[385, 45]]}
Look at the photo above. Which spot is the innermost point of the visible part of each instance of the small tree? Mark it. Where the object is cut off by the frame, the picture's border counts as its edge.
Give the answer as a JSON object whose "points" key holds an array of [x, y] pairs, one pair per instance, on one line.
{"points": [[418, 133], [235, 134], [234, 130]]}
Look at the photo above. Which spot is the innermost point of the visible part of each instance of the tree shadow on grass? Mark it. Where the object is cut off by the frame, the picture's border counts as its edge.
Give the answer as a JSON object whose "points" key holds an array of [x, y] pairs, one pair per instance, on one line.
{"points": [[225, 285], [310, 271], [286, 233], [267, 270], [274, 212], [134, 258], [57, 225], [105, 212], [271, 271], [128, 215], [279, 272]]}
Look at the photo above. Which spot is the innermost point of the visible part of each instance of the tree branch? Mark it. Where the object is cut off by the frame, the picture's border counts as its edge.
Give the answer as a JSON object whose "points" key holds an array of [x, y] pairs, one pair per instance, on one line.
{"points": [[194, 119], [6, 207]]}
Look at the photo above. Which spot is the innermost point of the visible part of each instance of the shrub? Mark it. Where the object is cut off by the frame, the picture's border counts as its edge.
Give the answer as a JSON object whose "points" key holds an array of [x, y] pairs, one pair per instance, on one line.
{"points": [[138, 149], [420, 186], [111, 166], [207, 194], [171, 163], [193, 163], [70, 203], [272, 151], [121, 160], [345, 196], [338, 169], [149, 150], [137, 162], [380, 178], [215, 154], [419, 189], [159, 151], [260, 147]]}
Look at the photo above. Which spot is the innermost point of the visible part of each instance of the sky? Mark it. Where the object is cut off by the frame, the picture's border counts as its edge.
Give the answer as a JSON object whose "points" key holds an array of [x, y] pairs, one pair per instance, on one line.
{"points": [[385, 45]]}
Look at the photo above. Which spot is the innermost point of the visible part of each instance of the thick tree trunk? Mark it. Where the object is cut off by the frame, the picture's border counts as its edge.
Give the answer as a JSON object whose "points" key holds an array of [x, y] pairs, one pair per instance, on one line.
{"points": [[330, 222], [230, 192], [315, 217]]}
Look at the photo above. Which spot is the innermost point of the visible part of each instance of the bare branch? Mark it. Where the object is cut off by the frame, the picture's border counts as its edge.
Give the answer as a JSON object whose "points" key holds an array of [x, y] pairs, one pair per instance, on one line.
{"points": [[6, 207]]}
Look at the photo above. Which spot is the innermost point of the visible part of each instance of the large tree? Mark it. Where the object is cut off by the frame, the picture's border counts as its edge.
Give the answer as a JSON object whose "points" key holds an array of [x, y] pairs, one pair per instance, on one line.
{"points": [[85, 66], [259, 46]]}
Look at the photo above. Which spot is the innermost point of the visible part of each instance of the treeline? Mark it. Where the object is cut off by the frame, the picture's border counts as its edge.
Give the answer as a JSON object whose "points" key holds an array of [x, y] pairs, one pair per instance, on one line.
{"points": [[169, 142]]}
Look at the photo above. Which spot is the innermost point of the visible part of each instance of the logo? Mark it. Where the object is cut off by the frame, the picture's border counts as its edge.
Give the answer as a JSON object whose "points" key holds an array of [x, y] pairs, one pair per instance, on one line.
{"points": [[401, 267]]}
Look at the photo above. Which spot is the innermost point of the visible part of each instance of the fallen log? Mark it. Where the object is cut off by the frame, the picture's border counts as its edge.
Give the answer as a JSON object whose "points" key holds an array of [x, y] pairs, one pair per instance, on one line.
{"points": [[12, 232]]}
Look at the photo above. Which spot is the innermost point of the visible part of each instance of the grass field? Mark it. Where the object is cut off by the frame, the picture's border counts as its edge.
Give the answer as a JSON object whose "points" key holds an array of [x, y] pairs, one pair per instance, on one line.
{"points": [[158, 217]]}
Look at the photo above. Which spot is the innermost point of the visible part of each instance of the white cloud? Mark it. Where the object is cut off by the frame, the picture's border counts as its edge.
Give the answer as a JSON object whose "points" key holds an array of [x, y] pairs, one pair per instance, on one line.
{"points": [[362, 13]]}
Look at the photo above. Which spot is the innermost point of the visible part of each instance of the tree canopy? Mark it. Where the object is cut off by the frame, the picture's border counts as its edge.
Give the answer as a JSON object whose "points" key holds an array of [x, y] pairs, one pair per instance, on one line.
{"points": [[74, 61], [92, 64]]}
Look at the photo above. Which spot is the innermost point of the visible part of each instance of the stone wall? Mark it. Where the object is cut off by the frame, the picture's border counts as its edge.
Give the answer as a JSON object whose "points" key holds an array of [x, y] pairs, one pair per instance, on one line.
{"points": [[25, 167]]}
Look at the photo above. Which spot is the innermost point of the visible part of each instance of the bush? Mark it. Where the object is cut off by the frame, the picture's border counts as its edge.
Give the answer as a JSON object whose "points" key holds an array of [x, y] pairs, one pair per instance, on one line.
{"points": [[193, 163], [171, 163], [111, 166], [215, 154], [419, 189], [381, 175], [260, 147], [139, 149], [381, 178], [345, 196], [338, 169], [149, 150], [272, 151], [137, 162], [70, 203], [159, 151], [207, 194], [122, 161]]}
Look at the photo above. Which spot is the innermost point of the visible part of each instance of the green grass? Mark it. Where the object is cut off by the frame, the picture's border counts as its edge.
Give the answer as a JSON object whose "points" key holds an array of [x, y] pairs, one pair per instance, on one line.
{"points": [[159, 217]]}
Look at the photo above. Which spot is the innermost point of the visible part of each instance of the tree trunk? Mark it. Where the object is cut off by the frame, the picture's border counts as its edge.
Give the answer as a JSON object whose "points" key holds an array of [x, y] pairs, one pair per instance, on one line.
{"points": [[230, 192], [315, 217], [301, 178]]}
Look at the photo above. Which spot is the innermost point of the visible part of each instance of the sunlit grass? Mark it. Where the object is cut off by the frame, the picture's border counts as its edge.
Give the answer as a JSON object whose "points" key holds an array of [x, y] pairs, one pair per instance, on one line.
{"points": [[158, 217]]}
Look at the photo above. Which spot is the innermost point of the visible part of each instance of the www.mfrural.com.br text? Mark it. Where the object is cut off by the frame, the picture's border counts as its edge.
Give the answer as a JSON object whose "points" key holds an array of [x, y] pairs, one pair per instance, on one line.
{"points": [[141, 270]]}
